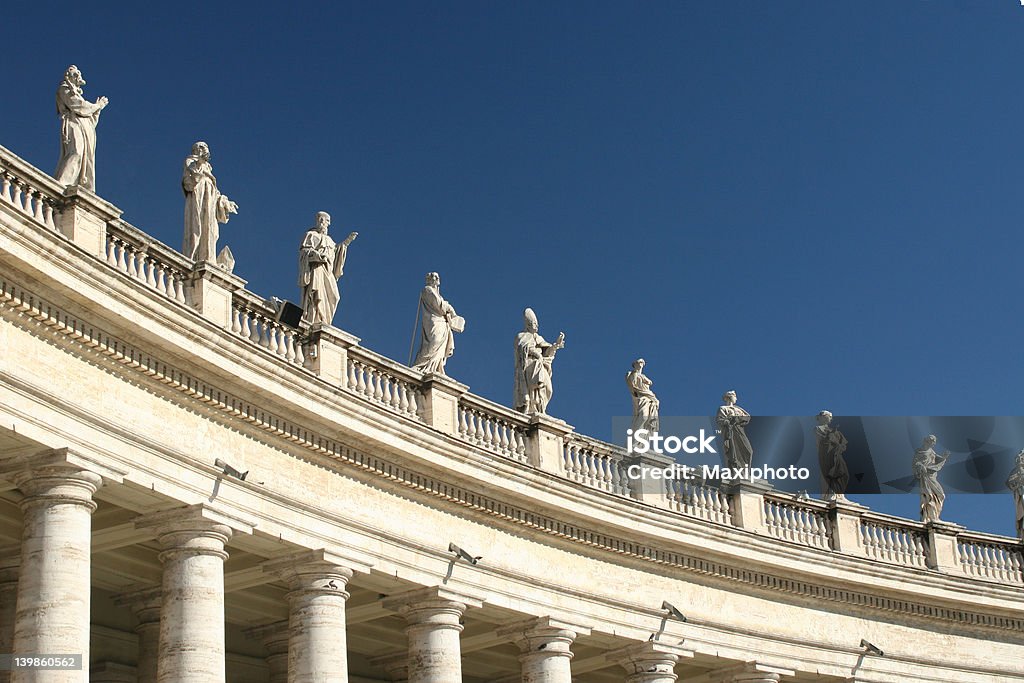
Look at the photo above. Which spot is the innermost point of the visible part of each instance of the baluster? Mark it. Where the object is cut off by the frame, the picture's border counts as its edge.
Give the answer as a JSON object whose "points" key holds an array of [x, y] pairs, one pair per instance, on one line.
{"points": [[520, 443], [463, 427], [414, 408], [396, 398], [5, 188], [149, 265], [300, 357], [289, 347], [361, 385], [267, 339], [48, 216], [236, 323], [37, 209], [132, 269], [351, 375], [404, 390], [122, 263], [16, 196], [378, 384], [111, 251]]}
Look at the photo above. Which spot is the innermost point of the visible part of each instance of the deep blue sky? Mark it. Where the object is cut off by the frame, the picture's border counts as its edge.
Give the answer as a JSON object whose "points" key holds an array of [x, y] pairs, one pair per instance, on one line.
{"points": [[815, 203]]}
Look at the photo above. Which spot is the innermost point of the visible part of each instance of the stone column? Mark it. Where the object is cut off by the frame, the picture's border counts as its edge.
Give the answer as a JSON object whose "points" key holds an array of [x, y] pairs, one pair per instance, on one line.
{"points": [[544, 643], [317, 651], [191, 646], [395, 665], [434, 619], [275, 643], [146, 605], [53, 610], [649, 662], [10, 560]]}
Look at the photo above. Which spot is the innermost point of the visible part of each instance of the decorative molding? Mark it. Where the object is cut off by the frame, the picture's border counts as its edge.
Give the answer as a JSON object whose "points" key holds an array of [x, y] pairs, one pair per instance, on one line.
{"points": [[19, 303]]}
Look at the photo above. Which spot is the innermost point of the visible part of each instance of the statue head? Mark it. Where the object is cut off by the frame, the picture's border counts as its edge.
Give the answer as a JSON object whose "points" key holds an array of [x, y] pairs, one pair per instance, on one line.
{"points": [[729, 397], [1020, 458], [74, 76], [433, 280], [322, 221], [530, 320], [201, 150], [824, 417], [929, 441], [639, 364]]}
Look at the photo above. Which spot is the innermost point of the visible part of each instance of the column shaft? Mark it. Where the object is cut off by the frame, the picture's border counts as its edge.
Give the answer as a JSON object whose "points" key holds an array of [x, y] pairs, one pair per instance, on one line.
{"points": [[434, 618], [191, 646], [317, 648], [10, 560], [53, 606]]}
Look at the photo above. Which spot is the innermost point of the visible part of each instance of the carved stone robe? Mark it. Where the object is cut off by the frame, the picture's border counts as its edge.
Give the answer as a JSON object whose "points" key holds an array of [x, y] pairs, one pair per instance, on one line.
{"points": [[732, 421], [645, 403], [532, 387], [437, 342], [321, 263], [205, 207], [835, 476], [78, 119], [926, 466]]}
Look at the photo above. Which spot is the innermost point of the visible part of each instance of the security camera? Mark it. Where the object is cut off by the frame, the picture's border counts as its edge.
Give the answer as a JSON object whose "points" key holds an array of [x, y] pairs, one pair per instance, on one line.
{"points": [[459, 552], [230, 471], [871, 648], [672, 611]]}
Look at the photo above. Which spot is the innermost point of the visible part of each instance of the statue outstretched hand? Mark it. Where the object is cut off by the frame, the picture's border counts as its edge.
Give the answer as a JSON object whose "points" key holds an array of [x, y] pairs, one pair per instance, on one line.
{"points": [[351, 238]]}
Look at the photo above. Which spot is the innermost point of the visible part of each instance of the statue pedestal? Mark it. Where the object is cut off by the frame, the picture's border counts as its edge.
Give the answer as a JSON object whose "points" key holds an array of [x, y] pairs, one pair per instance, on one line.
{"points": [[645, 487], [746, 498], [84, 218], [440, 407], [210, 292], [943, 554], [545, 442], [845, 517], [327, 353]]}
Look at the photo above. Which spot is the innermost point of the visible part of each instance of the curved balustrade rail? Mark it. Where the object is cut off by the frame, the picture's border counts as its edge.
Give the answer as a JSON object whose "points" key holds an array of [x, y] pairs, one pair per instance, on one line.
{"points": [[384, 382], [253, 320], [893, 540], [492, 427], [697, 500], [32, 193], [991, 558], [804, 522], [594, 463], [134, 253]]}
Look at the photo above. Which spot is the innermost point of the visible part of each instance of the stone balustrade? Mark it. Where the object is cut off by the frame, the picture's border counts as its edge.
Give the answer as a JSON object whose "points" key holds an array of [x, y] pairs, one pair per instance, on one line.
{"points": [[153, 263], [384, 382], [29, 191], [493, 427], [894, 540], [595, 463], [698, 500], [991, 557], [253, 319], [801, 521]]}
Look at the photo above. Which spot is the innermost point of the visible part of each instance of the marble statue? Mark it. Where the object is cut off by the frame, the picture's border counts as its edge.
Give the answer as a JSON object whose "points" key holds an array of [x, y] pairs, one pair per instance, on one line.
{"points": [[205, 206], [439, 323], [321, 264], [926, 466], [1016, 484], [831, 445], [645, 403], [732, 422], [78, 119], [532, 388]]}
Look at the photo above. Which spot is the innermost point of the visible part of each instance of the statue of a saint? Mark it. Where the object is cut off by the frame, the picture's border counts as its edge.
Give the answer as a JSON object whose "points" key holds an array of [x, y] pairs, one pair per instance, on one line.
{"points": [[531, 387], [440, 322], [321, 263], [926, 466], [78, 119], [645, 403], [831, 445], [1016, 484], [732, 422], [205, 206]]}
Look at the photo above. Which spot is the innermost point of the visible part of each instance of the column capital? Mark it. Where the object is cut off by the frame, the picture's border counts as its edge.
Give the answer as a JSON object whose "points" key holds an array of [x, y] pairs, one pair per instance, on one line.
{"points": [[192, 520], [316, 563], [437, 605], [546, 634], [57, 460], [650, 657], [752, 672]]}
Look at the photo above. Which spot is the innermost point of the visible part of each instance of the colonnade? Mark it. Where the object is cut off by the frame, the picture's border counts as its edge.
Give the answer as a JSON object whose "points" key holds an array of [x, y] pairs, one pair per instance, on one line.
{"points": [[45, 609]]}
